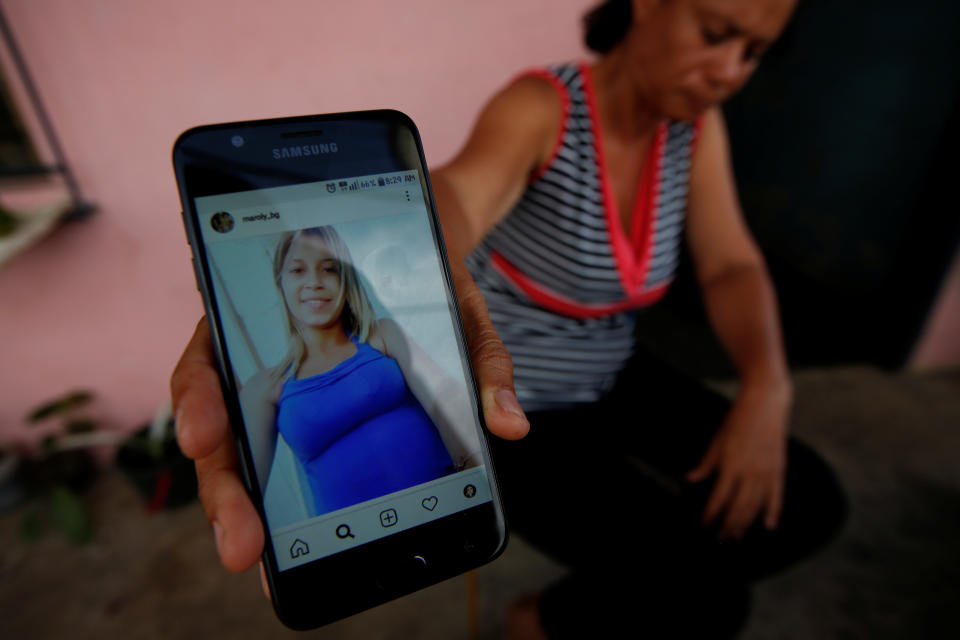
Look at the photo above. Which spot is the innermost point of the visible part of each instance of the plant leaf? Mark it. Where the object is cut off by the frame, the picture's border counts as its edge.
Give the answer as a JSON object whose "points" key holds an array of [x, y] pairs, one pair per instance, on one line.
{"points": [[61, 405]]}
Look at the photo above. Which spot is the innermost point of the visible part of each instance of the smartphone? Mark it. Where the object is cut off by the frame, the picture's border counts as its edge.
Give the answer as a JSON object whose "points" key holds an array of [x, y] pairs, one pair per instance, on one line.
{"points": [[345, 372]]}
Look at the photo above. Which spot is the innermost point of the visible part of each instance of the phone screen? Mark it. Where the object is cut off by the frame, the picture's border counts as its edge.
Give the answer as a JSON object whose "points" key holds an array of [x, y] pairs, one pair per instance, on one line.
{"points": [[357, 438]]}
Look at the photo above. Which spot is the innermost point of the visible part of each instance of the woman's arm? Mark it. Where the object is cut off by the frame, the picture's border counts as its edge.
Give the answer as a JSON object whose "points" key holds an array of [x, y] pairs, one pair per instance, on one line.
{"points": [[444, 400], [748, 453], [514, 134], [258, 401], [203, 433]]}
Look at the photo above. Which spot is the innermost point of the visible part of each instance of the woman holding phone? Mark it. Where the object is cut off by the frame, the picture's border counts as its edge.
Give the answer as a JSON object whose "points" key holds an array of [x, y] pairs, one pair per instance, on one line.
{"points": [[380, 392], [568, 204]]}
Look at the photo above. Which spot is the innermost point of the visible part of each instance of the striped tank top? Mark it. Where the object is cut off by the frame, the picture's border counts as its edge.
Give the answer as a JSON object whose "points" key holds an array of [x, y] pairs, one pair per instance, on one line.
{"points": [[560, 275]]}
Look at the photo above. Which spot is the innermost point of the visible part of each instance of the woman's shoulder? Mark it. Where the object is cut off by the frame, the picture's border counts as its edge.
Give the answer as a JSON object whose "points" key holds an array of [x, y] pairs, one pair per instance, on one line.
{"points": [[389, 337], [527, 112], [381, 330], [545, 87], [558, 77], [258, 380], [537, 91], [531, 94], [264, 383]]}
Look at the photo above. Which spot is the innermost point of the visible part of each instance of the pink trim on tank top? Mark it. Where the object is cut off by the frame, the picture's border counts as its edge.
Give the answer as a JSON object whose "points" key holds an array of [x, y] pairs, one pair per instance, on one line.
{"points": [[562, 130], [632, 256], [567, 306], [653, 173]]}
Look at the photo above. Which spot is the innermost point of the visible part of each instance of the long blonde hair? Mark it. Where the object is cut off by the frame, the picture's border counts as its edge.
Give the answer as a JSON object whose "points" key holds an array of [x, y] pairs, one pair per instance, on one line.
{"points": [[357, 316]]}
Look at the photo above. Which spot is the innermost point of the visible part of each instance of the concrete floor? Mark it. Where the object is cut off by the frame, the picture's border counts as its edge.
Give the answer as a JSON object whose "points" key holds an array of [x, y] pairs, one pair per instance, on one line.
{"points": [[894, 572]]}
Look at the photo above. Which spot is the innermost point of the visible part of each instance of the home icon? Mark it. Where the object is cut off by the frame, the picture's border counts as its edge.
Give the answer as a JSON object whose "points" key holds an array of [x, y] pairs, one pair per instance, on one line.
{"points": [[299, 548]]}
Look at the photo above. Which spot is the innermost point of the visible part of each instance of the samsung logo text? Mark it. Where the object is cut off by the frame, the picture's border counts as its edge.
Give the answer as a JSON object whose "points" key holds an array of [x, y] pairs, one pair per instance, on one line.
{"points": [[304, 150]]}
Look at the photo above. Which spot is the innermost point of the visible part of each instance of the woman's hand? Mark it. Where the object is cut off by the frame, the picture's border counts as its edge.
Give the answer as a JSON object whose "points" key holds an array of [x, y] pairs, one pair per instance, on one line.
{"points": [[748, 454], [204, 433], [747, 458]]}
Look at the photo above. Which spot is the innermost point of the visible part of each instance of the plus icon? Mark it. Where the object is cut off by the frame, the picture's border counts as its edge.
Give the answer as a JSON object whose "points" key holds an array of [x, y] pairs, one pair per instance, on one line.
{"points": [[388, 518]]}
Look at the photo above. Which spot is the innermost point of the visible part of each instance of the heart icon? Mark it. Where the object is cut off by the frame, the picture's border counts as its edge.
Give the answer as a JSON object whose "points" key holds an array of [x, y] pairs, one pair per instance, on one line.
{"points": [[430, 503]]}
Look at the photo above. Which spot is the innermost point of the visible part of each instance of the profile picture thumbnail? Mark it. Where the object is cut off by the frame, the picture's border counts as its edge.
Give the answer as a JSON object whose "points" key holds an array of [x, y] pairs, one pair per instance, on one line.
{"points": [[221, 222]]}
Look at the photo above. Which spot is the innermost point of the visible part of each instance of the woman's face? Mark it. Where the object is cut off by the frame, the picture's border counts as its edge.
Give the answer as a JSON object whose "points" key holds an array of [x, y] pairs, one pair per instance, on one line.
{"points": [[688, 55], [310, 284]]}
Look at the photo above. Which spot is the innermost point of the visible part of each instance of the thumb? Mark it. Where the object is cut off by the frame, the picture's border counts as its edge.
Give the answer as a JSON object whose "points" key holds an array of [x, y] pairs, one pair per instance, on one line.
{"points": [[491, 363]]}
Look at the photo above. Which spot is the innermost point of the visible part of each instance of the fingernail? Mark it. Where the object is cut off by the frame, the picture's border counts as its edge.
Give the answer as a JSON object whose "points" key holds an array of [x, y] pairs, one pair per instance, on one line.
{"points": [[218, 535], [508, 402]]}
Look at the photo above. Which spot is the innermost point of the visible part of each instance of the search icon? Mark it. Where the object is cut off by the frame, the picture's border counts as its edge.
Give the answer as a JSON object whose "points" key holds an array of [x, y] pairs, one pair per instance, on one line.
{"points": [[343, 531]]}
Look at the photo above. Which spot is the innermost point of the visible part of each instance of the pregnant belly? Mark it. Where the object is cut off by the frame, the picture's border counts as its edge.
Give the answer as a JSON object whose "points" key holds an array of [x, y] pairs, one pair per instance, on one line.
{"points": [[391, 452]]}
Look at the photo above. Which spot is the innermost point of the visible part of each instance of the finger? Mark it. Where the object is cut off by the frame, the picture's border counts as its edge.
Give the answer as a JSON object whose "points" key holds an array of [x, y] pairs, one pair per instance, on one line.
{"points": [[709, 462], [201, 416], [744, 508], [237, 528], [774, 505], [491, 362], [719, 497]]}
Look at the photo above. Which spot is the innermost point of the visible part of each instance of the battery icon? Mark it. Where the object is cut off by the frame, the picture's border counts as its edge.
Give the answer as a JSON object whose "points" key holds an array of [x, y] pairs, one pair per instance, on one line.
{"points": [[380, 182]]}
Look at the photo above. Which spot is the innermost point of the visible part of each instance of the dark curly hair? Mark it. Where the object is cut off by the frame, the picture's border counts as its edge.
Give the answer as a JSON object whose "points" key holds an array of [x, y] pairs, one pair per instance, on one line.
{"points": [[606, 25]]}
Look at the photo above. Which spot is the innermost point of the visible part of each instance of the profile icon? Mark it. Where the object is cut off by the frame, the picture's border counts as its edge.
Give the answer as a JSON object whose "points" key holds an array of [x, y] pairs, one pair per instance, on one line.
{"points": [[221, 222], [469, 491]]}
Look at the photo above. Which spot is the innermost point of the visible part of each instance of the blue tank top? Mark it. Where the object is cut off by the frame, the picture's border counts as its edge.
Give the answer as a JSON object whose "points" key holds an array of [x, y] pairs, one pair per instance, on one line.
{"points": [[359, 431]]}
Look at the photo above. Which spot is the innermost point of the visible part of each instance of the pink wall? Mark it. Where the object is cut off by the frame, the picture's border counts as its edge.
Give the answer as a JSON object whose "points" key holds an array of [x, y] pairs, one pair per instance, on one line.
{"points": [[109, 303]]}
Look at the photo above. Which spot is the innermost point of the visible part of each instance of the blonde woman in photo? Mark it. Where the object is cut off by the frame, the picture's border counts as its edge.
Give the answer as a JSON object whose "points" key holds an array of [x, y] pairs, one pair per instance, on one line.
{"points": [[355, 398]]}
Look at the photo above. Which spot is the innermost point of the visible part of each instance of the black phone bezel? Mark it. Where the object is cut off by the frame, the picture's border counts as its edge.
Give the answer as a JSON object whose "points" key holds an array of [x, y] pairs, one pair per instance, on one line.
{"points": [[348, 582]]}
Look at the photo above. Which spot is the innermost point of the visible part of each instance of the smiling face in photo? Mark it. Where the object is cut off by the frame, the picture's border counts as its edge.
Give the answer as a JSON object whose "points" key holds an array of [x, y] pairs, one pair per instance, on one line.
{"points": [[311, 284]]}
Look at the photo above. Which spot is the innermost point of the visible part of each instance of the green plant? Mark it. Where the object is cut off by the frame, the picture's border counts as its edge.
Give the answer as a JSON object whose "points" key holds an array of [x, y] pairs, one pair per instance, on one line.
{"points": [[61, 469]]}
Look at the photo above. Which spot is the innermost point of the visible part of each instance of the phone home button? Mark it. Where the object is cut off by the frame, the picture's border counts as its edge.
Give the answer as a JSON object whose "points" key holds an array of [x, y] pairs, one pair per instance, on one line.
{"points": [[413, 567], [405, 574], [416, 571]]}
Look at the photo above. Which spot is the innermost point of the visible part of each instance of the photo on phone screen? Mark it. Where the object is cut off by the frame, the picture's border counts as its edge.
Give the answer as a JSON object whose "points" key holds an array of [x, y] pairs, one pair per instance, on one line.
{"points": [[356, 402]]}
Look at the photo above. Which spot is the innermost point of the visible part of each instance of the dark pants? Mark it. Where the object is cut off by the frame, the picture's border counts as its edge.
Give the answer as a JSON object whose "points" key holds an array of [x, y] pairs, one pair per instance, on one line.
{"points": [[602, 490]]}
